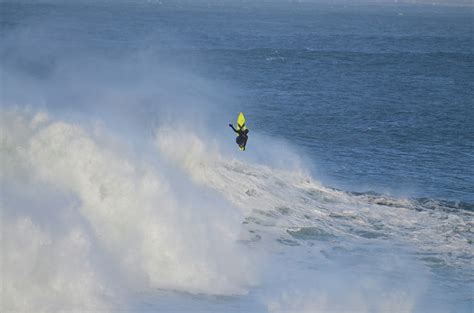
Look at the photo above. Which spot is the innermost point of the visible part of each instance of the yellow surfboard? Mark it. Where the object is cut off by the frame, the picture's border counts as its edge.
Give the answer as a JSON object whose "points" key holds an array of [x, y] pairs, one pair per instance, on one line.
{"points": [[241, 125], [241, 121]]}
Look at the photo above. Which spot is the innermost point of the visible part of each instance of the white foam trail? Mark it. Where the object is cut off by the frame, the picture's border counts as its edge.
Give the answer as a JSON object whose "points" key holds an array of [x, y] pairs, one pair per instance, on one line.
{"points": [[291, 200]]}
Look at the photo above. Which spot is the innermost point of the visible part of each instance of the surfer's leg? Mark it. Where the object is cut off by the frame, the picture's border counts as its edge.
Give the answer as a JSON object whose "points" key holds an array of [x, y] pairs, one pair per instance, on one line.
{"points": [[239, 140]]}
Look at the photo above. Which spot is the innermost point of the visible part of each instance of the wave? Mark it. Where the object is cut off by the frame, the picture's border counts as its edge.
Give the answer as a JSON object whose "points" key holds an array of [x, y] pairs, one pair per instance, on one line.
{"points": [[92, 215], [292, 208], [70, 196]]}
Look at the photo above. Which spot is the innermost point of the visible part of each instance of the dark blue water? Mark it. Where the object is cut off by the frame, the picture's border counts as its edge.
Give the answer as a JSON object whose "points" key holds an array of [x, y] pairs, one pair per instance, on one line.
{"points": [[379, 97]]}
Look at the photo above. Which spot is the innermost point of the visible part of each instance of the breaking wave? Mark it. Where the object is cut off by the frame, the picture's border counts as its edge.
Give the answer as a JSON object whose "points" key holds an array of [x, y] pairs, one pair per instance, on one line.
{"points": [[69, 197], [295, 206], [90, 215]]}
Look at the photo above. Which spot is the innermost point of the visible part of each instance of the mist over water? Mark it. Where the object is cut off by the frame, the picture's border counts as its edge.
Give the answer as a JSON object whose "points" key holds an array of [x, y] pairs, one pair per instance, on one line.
{"points": [[122, 188]]}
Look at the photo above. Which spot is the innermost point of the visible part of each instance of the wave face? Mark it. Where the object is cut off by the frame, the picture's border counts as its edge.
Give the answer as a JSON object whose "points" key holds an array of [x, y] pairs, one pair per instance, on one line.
{"points": [[90, 216]]}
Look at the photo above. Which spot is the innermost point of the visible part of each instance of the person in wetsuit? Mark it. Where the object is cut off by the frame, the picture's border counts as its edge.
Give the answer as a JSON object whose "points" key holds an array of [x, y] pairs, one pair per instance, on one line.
{"points": [[242, 137]]}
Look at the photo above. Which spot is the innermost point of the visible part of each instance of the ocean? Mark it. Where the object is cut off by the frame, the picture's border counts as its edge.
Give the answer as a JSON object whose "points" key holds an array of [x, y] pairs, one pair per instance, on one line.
{"points": [[122, 188]]}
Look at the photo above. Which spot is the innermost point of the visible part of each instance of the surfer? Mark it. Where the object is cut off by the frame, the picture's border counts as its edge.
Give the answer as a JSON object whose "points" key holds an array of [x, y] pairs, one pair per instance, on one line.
{"points": [[242, 137]]}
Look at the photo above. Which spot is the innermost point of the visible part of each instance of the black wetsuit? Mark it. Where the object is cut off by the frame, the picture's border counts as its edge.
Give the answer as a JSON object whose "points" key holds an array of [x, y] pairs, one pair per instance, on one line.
{"points": [[242, 137]]}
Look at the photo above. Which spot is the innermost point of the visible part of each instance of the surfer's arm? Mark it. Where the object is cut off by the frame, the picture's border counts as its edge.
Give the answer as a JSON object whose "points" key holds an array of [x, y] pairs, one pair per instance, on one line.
{"points": [[232, 126]]}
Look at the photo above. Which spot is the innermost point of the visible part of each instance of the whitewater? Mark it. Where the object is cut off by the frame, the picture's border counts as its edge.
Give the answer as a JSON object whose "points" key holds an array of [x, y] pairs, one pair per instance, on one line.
{"points": [[92, 219], [122, 188]]}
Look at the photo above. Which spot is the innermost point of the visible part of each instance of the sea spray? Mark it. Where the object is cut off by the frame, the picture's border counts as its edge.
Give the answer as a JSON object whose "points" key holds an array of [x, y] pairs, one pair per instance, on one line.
{"points": [[157, 235]]}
